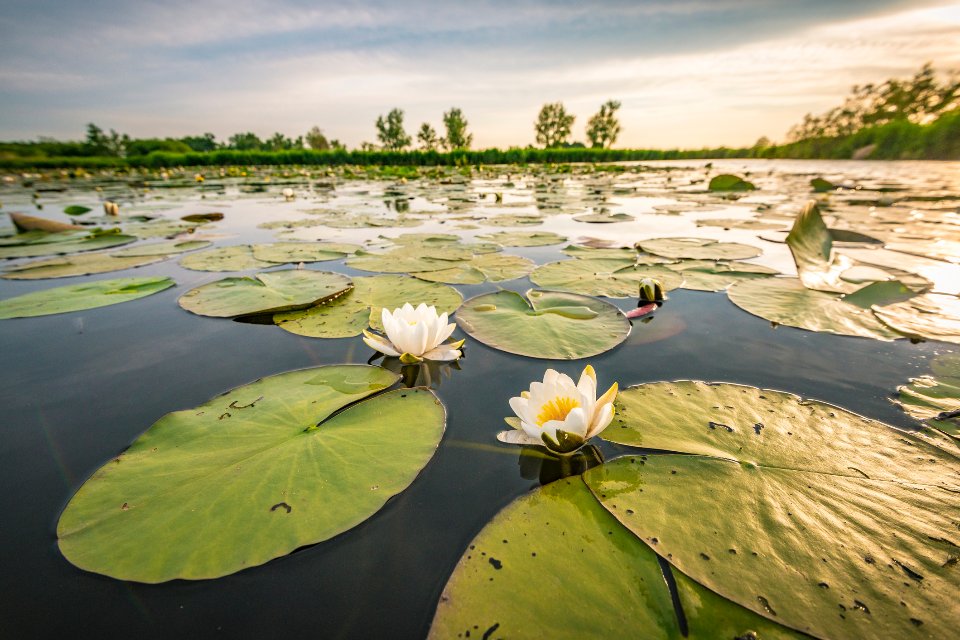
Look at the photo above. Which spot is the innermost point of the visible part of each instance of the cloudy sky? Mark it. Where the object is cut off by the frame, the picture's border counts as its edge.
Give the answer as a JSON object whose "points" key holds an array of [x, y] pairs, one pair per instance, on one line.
{"points": [[689, 73]]}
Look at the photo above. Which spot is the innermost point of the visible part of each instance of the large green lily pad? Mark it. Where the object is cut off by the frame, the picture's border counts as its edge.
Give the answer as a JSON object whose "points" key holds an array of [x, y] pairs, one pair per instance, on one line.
{"points": [[935, 399], [786, 301], [168, 248], [251, 475], [825, 521], [546, 324], [78, 297], [77, 265], [234, 258], [410, 259], [555, 564], [715, 275], [698, 249], [270, 292], [607, 277], [495, 267], [932, 316], [348, 315]]}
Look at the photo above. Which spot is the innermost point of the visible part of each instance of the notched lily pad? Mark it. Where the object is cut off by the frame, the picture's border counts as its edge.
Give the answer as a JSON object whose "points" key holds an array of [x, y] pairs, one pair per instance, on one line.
{"points": [[253, 474], [270, 292], [698, 249], [544, 324], [78, 297], [607, 277]]}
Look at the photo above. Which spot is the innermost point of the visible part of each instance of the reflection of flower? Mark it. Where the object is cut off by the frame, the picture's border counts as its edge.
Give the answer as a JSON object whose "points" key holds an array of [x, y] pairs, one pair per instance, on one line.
{"points": [[415, 335], [559, 414]]}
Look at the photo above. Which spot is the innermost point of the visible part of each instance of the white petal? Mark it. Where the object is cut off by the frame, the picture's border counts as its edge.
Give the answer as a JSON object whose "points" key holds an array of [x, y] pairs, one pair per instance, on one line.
{"points": [[519, 406], [518, 437], [575, 422], [446, 331], [379, 344], [601, 420], [588, 382]]}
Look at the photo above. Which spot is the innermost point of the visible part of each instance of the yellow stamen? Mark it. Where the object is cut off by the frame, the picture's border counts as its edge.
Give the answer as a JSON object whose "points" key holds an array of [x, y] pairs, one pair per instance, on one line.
{"points": [[556, 409]]}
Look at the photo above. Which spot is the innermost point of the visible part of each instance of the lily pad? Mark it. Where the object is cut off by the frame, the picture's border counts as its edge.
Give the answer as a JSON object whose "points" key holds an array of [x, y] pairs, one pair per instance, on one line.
{"points": [[603, 218], [710, 275], [294, 252], [603, 581], [235, 258], [811, 244], [493, 267], [544, 324], [523, 238], [730, 182], [78, 297], [698, 249], [78, 265], [168, 248], [825, 521], [76, 210], [607, 277], [348, 315], [932, 316], [739, 223], [786, 301], [71, 242], [253, 474], [270, 292], [935, 399], [202, 218]]}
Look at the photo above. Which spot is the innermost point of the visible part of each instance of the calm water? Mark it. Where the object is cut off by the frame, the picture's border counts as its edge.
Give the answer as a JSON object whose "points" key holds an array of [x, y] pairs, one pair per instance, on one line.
{"points": [[77, 388]]}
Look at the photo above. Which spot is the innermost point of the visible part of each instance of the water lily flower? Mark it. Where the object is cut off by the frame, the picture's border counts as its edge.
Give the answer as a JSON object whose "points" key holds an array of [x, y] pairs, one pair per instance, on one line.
{"points": [[415, 334], [559, 414]]}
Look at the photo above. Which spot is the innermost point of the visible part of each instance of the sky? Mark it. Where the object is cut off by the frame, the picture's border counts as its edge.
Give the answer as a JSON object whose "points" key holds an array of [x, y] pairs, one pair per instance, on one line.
{"points": [[688, 73]]}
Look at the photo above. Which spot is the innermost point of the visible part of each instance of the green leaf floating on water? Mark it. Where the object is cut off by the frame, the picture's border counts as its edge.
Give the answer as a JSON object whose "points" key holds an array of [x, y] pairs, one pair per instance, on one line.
{"points": [[546, 324], [607, 277], [554, 564], [932, 316], [76, 210], [698, 249], [90, 263], [603, 218], [786, 301], [78, 297], [714, 275], [807, 514], [935, 399], [252, 475], [48, 244], [168, 248], [348, 315], [270, 292], [493, 267], [523, 238], [294, 252], [234, 258], [730, 182]]}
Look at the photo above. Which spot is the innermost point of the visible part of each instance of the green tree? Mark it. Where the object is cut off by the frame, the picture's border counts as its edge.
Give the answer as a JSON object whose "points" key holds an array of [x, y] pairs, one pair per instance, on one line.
{"points": [[390, 131], [205, 143], [316, 140], [280, 142], [427, 137], [456, 126], [247, 141], [103, 144], [553, 125], [144, 146], [603, 126]]}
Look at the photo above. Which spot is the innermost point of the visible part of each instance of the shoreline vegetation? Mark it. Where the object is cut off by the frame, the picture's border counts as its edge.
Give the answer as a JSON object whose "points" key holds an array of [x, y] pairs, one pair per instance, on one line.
{"points": [[917, 118]]}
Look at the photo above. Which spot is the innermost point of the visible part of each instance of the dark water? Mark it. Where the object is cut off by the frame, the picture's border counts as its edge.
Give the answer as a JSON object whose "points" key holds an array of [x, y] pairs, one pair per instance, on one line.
{"points": [[77, 388]]}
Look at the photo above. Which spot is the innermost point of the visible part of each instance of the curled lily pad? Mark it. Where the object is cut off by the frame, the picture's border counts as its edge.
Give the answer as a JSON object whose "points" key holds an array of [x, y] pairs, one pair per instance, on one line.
{"points": [[811, 243], [251, 475], [523, 238], [711, 275], [78, 297], [607, 277], [348, 315], [809, 515], [935, 399], [786, 301], [236, 258], [604, 582], [270, 292], [698, 249], [544, 324], [730, 182]]}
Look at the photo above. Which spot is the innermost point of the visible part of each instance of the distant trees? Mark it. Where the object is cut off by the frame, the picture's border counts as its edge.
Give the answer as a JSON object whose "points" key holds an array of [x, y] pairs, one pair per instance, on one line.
{"points": [[202, 144], [316, 140], [920, 99], [427, 137], [456, 126], [247, 141], [280, 142], [603, 127], [390, 131], [553, 125]]}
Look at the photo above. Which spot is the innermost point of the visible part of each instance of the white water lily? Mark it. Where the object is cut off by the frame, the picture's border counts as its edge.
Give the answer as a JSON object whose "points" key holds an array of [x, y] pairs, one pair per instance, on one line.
{"points": [[559, 414], [415, 334]]}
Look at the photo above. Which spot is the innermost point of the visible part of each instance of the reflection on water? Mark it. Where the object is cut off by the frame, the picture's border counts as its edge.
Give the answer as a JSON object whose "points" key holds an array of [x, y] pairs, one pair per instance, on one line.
{"points": [[78, 388], [537, 464]]}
